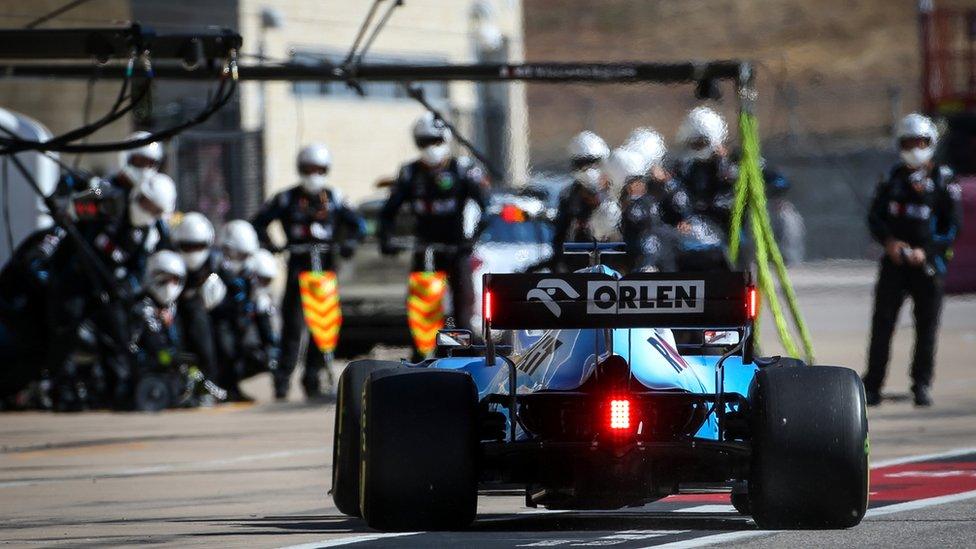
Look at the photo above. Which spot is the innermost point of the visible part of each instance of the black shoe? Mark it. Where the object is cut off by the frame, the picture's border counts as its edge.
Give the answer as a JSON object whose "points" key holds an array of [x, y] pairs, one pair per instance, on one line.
{"points": [[236, 395], [872, 397], [922, 396]]}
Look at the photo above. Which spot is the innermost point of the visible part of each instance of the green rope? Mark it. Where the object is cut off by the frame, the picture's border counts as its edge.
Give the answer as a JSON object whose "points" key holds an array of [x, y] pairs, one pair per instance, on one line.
{"points": [[750, 194]]}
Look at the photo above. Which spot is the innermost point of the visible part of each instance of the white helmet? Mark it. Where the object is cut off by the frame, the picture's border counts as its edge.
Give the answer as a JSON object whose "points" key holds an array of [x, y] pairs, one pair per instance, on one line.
{"points": [[623, 166], [917, 125], [151, 200], [317, 155], [433, 139], [588, 146], [152, 151], [262, 264], [649, 144], [703, 122], [165, 276], [193, 238], [238, 242], [429, 127]]}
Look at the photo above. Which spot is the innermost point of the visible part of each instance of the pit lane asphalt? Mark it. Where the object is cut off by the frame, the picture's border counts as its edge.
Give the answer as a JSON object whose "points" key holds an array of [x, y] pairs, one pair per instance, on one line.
{"points": [[258, 475]]}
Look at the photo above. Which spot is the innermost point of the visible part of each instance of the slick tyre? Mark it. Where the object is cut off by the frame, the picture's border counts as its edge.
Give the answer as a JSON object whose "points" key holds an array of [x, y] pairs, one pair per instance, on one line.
{"points": [[810, 448], [345, 442], [419, 450]]}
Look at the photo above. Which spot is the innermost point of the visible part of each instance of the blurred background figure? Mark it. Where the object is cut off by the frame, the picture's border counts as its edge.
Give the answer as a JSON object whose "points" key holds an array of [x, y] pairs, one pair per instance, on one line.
{"points": [[704, 167], [233, 316], [587, 152], [155, 332], [318, 224], [193, 238], [437, 187]]}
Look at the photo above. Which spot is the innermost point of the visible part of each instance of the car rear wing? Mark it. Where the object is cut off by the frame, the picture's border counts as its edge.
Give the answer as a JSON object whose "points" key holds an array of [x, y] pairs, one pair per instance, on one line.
{"points": [[713, 300]]}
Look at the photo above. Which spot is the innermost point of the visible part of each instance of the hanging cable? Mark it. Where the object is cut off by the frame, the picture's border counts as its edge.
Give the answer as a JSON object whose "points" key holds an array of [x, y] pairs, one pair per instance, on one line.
{"points": [[115, 112], [362, 32], [376, 30], [225, 91]]}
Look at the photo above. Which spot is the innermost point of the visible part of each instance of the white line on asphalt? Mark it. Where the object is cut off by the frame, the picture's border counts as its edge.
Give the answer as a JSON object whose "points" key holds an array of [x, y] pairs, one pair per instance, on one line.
{"points": [[886, 510], [920, 504], [193, 465], [349, 540], [924, 457]]}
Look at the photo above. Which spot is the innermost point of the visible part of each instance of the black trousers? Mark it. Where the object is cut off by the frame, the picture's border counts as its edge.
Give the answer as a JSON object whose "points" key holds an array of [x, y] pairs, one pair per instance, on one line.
{"points": [[293, 331], [459, 273], [198, 335], [895, 283]]}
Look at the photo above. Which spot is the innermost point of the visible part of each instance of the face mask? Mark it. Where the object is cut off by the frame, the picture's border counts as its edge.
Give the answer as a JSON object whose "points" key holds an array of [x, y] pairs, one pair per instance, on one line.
{"points": [[194, 260], [314, 183], [433, 155], [916, 158], [165, 294], [137, 175], [138, 216], [588, 177]]}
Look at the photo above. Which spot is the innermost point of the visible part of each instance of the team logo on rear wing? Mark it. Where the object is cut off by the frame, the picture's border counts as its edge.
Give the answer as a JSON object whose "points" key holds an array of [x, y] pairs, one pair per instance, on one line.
{"points": [[598, 300], [545, 290], [645, 296], [625, 297]]}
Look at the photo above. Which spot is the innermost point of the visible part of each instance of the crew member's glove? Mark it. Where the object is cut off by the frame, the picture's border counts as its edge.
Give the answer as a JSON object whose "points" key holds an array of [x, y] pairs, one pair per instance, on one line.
{"points": [[213, 291], [388, 248], [347, 249]]}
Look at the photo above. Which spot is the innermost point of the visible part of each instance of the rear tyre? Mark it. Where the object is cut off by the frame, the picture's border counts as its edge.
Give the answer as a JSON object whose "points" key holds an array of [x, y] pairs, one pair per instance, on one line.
{"points": [[419, 450], [740, 501], [810, 448], [345, 442]]}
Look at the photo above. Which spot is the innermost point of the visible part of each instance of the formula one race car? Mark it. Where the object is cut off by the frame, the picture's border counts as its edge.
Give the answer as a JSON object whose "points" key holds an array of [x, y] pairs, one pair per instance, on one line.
{"points": [[616, 391]]}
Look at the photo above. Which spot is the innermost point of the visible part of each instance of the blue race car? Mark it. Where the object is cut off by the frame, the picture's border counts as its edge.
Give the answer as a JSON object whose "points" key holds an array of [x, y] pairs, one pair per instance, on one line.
{"points": [[615, 391]]}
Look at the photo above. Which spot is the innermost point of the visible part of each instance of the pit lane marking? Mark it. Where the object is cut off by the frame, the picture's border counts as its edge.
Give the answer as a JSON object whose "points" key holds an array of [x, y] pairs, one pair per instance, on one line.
{"points": [[350, 540], [623, 536], [166, 468]]}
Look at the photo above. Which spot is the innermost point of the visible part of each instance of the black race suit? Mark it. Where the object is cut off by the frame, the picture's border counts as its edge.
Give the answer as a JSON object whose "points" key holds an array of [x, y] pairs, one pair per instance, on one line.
{"points": [[922, 209], [307, 219]]}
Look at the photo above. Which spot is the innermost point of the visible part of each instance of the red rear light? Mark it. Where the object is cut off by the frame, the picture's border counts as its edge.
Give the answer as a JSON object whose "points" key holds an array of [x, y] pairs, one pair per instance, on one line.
{"points": [[487, 305], [752, 302], [620, 413], [512, 214]]}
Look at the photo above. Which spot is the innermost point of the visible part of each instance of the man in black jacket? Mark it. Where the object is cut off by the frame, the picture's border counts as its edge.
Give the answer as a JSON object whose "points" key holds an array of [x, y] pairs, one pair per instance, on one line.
{"points": [[915, 215], [317, 222], [436, 187]]}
